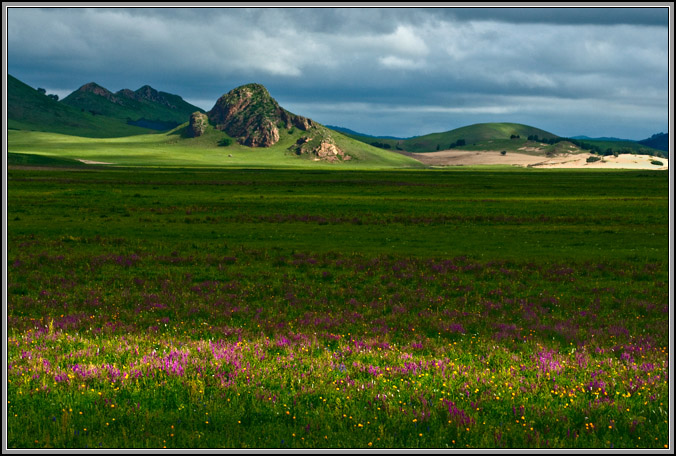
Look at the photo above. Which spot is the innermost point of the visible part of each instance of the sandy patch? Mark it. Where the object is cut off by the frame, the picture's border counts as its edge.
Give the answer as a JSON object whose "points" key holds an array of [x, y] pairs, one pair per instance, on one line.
{"points": [[454, 157], [91, 162], [623, 161]]}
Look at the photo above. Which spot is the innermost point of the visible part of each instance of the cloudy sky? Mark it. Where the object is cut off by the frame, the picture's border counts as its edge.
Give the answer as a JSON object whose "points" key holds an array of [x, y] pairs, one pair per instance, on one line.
{"points": [[382, 71]]}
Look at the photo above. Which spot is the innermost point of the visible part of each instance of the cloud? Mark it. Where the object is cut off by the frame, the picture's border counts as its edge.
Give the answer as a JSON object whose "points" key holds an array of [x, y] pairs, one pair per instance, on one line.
{"points": [[454, 62], [395, 62], [644, 16]]}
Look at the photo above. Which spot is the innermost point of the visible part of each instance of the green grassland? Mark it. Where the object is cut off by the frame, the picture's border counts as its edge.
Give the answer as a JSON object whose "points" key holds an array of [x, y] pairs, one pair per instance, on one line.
{"points": [[520, 213], [330, 308], [194, 294], [174, 149]]}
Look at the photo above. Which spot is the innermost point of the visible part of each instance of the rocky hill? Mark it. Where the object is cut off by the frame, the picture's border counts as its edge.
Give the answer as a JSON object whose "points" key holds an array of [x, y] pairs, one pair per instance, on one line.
{"points": [[251, 116], [144, 107], [28, 109]]}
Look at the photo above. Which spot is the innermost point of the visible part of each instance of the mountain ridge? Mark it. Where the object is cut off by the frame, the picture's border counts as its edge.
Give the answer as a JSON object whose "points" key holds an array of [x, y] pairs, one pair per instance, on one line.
{"points": [[145, 106], [28, 109]]}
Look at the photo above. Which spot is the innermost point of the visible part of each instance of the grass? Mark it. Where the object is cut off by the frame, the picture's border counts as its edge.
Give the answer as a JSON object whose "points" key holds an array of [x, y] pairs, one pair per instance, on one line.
{"points": [[172, 149], [337, 309]]}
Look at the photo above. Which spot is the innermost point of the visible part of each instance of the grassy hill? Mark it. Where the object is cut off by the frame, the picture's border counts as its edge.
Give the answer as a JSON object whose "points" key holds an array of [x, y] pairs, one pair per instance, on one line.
{"points": [[471, 135], [144, 107], [175, 149], [27, 109]]}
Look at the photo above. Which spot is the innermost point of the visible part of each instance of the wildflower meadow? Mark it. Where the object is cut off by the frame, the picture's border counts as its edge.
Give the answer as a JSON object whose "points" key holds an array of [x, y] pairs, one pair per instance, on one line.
{"points": [[278, 309]]}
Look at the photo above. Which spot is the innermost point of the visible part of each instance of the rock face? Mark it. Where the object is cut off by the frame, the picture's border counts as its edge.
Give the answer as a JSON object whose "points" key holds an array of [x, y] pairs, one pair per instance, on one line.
{"points": [[96, 89], [198, 124], [330, 152], [147, 93], [251, 115]]}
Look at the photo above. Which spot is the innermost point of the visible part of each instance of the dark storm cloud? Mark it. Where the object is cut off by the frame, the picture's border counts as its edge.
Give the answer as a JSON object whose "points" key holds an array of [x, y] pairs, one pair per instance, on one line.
{"points": [[396, 71], [656, 16]]}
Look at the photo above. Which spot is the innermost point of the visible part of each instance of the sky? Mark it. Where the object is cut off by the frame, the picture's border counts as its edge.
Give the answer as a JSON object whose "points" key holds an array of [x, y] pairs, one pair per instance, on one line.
{"points": [[400, 71]]}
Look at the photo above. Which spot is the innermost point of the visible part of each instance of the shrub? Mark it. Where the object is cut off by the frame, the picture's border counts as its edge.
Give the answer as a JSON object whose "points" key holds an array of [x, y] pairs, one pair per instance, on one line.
{"points": [[656, 162], [504, 152], [593, 159]]}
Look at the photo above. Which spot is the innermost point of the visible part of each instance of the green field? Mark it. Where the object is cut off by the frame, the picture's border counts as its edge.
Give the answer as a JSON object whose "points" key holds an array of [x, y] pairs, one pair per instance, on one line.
{"points": [[172, 149], [328, 308]]}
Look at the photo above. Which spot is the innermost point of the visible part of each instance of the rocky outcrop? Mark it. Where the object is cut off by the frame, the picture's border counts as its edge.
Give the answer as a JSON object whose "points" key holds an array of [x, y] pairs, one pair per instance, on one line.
{"points": [[126, 93], [302, 122], [251, 115], [319, 146], [329, 152], [147, 93], [198, 124], [96, 89]]}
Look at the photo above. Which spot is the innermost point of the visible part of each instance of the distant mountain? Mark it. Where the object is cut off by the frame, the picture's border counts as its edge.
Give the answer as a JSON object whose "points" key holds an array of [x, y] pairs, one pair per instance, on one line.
{"points": [[354, 133], [145, 107], [602, 138], [28, 109], [658, 141]]}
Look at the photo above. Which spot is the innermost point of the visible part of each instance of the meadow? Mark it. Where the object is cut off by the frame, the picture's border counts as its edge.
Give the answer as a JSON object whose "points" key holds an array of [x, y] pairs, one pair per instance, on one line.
{"points": [[240, 308], [173, 150]]}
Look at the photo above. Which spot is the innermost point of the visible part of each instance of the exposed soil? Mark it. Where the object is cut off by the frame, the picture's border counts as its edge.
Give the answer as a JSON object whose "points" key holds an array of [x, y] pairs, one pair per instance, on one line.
{"points": [[91, 162]]}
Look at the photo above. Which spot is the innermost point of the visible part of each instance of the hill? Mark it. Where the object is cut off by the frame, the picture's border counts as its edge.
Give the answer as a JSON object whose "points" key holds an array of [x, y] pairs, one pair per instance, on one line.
{"points": [[600, 138], [607, 147], [28, 109], [253, 118], [476, 135], [658, 141], [145, 107]]}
